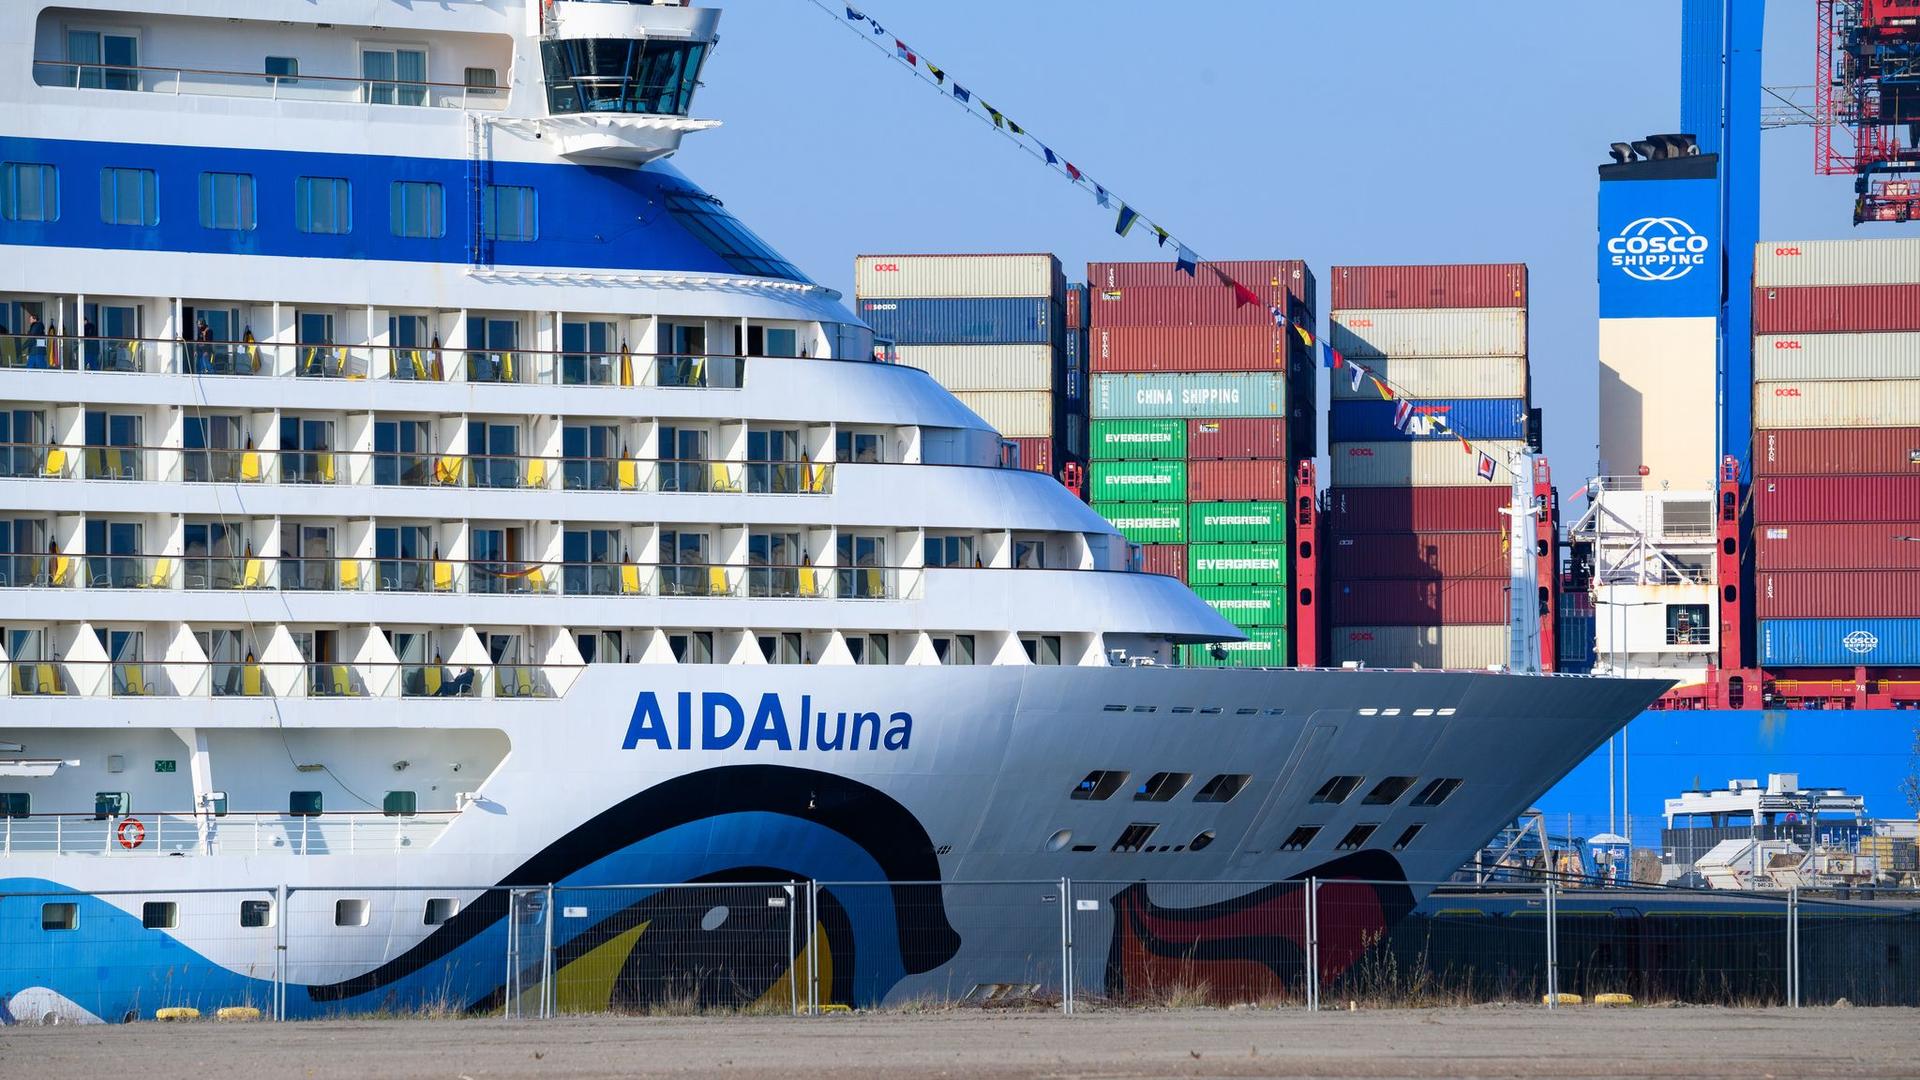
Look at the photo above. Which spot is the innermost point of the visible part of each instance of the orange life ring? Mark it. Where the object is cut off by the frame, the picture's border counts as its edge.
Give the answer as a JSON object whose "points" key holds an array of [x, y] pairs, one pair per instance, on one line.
{"points": [[131, 833]]}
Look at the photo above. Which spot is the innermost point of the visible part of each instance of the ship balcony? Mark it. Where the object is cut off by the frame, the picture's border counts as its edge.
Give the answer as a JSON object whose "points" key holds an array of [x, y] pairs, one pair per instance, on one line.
{"points": [[133, 836], [478, 96], [157, 680]]}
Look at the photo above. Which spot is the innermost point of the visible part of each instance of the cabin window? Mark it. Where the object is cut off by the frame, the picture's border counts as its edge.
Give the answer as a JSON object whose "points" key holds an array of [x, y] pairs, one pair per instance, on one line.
{"points": [[1356, 836], [1043, 649], [441, 909], [1388, 791], [1437, 792], [1407, 836], [1100, 785], [109, 804], [394, 76], [129, 197], [399, 804], [16, 804], [1300, 837], [482, 82], [323, 205], [1201, 842], [226, 201], [352, 912], [255, 914], [418, 209], [282, 70], [509, 213], [957, 650], [1336, 790], [29, 192], [1161, 786], [1222, 788], [60, 916], [303, 803], [1135, 836], [159, 915]]}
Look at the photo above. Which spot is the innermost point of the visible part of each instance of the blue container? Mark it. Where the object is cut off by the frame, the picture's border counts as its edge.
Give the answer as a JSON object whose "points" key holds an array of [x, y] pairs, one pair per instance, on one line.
{"points": [[1473, 418], [1840, 642], [1010, 321]]}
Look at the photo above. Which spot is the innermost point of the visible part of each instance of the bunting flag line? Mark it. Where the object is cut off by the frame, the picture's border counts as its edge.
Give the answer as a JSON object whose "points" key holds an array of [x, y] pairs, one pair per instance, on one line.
{"points": [[1242, 296], [1184, 260], [1127, 217], [1380, 385], [1485, 467], [1356, 377], [1332, 356], [1306, 335], [998, 120], [1051, 158], [938, 75], [1402, 415], [1100, 196], [960, 94], [1160, 235], [1280, 318], [900, 49]]}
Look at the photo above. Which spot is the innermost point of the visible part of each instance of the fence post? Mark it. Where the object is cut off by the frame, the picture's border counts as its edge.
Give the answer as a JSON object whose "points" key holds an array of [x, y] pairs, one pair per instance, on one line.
{"points": [[280, 952], [793, 952], [1793, 947], [1066, 946], [1553, 946], [1313, 944], [548, 1002], [813, 948]]}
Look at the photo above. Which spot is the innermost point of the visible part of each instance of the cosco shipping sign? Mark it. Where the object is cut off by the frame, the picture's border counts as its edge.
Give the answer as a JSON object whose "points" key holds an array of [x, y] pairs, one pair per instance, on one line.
{"points": [[1659, 249]]}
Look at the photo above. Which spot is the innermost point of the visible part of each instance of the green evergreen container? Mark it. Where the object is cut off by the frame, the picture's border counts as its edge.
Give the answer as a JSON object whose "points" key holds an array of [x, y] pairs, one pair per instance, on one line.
{"points": [[1237, 564], [1247, 605], [1147, 523], [1264, 647], [1139, 481], [1237, 522], [1138, 440]]}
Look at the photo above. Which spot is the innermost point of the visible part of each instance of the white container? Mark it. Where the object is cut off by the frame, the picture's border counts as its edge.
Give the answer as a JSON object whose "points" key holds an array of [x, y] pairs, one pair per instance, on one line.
{"points": [[1475, 647], [1416, 464], [984, 367], [1810, 404], [1836, 262], [958, 276], [1836, 356], [1365, 332], [1454, 377], [1015, 414]]}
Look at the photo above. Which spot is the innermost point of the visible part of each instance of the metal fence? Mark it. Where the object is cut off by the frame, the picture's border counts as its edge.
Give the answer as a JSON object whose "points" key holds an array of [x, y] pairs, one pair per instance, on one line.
{"points": [[803, 948]]}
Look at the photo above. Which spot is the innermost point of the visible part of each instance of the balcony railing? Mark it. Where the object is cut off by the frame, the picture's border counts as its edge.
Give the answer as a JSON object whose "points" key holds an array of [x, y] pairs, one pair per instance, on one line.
{"points": [[137, 679], [172, 833], [215, 82]]}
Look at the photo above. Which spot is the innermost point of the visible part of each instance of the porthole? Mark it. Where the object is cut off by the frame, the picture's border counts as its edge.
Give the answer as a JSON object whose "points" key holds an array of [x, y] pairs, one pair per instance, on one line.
{"points": [[1200, 843], [1060, 840]]}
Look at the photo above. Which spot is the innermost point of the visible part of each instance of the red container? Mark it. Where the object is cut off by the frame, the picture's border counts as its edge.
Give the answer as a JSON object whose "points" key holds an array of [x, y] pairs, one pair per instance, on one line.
{"points": [[1848, 546], [1793, 500], [1836, 451], [1036, 454], [1816, 309], [1272, 279], [1187, 348], [1480, 285], [1200, 305], [1246, 478], [1168, 559], [1243, 437], [1836, 594], [1463, 602], [1076, 300], [1422, 556], [1358, 511]]}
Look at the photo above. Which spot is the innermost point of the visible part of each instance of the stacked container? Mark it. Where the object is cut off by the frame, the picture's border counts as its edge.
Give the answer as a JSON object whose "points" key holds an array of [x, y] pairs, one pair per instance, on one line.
{"points": [[1836, 453], [1416, 545], [990, 328], [1195, 391]]}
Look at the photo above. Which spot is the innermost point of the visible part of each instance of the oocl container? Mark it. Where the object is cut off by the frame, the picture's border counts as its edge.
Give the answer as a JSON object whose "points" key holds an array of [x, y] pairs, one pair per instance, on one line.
{"points": [[1417, 464], [1147, 523], [1187, 348], [1239, 522], [1371, 332], [1354, 511], [1877, 403], [1189, 308], [1472, 418], [1014, 414], [1832, 451], [1472, 647], [1778, 357], [1138, 440], [1847, 546], [1256, 437], [1794, 500], [1237, 564], [1455, 555], [1840, 642], [1833, 594], [985, 367], [1129, 397], [1139, 481], [1247, 605], [1819, 309], [876, 276], [1426, 377], [1265, 646], [1836, 262], [1419, 603], [1483, 285], [949, 321], [1167, 559], [1246, 478]]}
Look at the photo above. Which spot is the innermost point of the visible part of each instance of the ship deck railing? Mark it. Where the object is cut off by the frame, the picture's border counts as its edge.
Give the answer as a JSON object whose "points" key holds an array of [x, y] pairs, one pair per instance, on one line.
{"points": [[136, 835], [268, 86]]}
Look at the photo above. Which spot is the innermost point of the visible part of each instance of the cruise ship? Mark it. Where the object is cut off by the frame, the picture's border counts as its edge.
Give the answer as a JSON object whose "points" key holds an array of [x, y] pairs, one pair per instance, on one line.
{"points": [[415, 488]]}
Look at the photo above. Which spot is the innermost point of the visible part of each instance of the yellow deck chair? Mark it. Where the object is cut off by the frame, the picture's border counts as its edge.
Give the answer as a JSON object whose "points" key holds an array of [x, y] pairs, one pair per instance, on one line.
{"points": [[349, 575], [537, 473], [55, 463], [254, 572], [809, 581], [62, 571], [506, 367], [447, 469], [342, 685], [697, 373], [162, 574], [523, 681], [717, 583], [113, 462], [419, 364], [629, 580], [131, 684], [326, 468], [250, 681], [250, 466], [722, 480], [431, 679], [48, 677], [627, 474], [442, 576], [876, 583]]}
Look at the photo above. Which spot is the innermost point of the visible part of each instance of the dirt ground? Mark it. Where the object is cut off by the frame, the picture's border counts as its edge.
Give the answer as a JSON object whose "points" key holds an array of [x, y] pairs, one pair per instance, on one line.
{"points": [[1489, 1041]]}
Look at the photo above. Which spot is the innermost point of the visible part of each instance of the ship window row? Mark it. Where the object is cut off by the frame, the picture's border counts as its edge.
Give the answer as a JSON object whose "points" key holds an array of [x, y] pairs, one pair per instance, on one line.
{"points": [[1102, 784], [64, 915], [322, 205], [108, 805]]}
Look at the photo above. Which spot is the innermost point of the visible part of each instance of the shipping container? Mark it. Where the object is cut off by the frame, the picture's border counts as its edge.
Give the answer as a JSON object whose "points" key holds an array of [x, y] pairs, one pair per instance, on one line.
{"points": [[1147, 523], [1237, 564], [1782, 357], [1016, 414], [1036, 455], [1076, 305], [1877, 403], [1274, 280], [1795, 500], [1840, 642], [1369, 332], [1422, 556], [1471, 418], [1437, 377], [1844, 546], [1835, 594], [1266, 646], [1241, 478], [1239, 522], [1167, 559], [1836, 262], [985, 367], [1247, 437], [1827, 309], [1138, 481], [1418, 603], [1187, 348], [886, 276], [1186, 308], [1460, 647], [1248, 605], [1131, 397], [1364, 510], [1836, 451], [942, 321], [1478, 285], [1417, 464], [1139, 440]]}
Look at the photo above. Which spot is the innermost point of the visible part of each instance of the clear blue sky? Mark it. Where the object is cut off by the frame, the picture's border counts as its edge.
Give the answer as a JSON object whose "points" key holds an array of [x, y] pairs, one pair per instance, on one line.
{"points": [[1399, 131]]}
